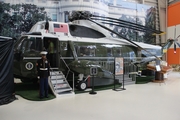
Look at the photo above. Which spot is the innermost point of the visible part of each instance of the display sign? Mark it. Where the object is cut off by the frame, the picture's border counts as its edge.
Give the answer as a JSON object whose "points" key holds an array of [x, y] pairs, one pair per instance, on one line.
{"points": [[119, 65], [158, 68], [93, 71]]}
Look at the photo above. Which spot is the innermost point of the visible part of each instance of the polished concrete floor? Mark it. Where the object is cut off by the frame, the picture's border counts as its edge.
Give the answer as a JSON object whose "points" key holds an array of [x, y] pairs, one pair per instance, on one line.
{"points": [[152, 101]]}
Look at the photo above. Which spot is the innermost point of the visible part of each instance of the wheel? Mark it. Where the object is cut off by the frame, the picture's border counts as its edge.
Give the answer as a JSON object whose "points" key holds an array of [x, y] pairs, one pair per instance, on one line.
{"points": [[82, 85]]}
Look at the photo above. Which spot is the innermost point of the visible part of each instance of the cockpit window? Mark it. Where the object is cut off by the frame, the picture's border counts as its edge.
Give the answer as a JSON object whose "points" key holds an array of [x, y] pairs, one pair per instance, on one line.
{"points": [[18, 44], [81, 31], [23, 47], [31, 44]]}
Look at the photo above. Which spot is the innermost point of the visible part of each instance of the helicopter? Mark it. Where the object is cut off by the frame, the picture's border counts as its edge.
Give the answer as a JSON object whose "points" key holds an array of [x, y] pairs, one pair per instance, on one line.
{"points": [[79, 45]]}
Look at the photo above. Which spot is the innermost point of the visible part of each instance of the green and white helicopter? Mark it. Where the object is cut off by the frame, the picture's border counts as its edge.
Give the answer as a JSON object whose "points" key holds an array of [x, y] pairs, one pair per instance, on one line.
{"points": [[79, 45]]}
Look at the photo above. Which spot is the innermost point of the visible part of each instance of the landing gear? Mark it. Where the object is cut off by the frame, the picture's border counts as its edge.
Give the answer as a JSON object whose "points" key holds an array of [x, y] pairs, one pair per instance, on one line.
{"points": [[82, 85]]}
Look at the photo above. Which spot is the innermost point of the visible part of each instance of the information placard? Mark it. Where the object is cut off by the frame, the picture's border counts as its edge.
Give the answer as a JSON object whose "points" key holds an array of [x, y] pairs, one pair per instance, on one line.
{"points": [[93, 71], [119, 65]]}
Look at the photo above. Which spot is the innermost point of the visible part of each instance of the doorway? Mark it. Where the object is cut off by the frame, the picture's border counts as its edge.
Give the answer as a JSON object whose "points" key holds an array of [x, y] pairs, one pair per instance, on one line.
{"points": [[50, 45]]}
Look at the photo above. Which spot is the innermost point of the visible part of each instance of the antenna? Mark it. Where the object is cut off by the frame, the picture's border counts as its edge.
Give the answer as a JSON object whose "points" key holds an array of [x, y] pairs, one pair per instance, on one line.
{"points": [[175, 32], [174, 40]]}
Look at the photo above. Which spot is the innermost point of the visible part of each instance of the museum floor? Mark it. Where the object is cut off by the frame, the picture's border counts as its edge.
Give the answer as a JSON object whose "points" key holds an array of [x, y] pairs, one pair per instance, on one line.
{"points": [[151, 101]]}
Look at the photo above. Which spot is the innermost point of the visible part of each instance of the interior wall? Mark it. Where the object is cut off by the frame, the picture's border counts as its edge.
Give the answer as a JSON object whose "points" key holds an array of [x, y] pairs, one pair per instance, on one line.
{"points": [[173, 14], [163, 24], [173, 31], [173, 24]]}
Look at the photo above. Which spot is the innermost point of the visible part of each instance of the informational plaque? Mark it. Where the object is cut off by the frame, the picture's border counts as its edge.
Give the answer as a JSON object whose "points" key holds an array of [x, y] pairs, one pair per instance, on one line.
{"points": [[158, 68], [119, 65], [93, 71]]}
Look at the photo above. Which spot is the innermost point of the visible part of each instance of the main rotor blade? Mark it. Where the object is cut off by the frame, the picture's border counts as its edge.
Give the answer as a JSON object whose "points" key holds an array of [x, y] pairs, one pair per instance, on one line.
{"points": [[130, 26], [87, 16], [124, 38], [125, 22]]}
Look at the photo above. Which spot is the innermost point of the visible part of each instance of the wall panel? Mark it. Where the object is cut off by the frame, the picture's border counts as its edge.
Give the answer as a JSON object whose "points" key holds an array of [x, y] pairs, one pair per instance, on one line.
{"points": [[173, 14], [173, 31]]}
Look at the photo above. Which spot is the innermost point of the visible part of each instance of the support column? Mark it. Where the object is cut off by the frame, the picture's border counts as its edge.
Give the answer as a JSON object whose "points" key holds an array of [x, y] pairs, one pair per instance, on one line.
{"points": [[158, 27], [142, 2]]}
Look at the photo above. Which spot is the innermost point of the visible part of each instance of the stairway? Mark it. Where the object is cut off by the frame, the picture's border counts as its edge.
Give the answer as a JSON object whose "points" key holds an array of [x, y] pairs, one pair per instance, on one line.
{"points": [[58, 83]]}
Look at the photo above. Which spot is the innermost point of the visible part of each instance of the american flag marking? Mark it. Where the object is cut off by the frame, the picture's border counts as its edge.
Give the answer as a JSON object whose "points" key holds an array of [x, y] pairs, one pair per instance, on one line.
{"points": [[61, 28]]}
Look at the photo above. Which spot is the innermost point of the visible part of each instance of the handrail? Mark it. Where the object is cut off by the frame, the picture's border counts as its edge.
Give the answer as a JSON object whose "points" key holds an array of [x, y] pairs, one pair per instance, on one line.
{"points": [[50, 83], [56, 77], [69, 70]]}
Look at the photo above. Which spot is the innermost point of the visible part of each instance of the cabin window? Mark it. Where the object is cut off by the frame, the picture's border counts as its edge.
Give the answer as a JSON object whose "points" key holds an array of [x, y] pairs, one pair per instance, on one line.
{"points": [[117, 52], [82, 31], [101, 51], [84, 50], [109, 52]]}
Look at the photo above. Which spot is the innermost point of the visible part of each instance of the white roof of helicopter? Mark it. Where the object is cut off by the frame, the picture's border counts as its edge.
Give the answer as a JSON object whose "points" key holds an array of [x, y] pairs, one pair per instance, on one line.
{"points": [[65, 35]]}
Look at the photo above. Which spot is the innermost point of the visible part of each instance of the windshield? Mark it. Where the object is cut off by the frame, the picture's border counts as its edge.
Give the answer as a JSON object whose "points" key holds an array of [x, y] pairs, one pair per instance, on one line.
{"points": [[28, 45]]}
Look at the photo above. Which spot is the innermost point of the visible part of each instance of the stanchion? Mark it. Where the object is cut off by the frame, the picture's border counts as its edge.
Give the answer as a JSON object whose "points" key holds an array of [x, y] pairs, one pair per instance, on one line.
{"points": [[123, 83], [93, 92], [93, 72]]}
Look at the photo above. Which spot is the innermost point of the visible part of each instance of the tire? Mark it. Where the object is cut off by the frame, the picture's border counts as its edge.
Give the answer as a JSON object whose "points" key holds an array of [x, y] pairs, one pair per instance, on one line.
{"points": [[82, 85]]}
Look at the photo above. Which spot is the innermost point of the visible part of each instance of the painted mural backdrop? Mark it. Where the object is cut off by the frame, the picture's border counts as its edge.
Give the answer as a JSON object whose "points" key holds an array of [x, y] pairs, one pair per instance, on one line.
{"points": [[145, 15], [16, 19], [19, 18]]}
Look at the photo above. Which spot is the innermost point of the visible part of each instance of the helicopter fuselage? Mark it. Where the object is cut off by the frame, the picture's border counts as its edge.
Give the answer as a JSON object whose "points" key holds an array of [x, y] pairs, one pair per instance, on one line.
{"points": [[78, 45]]}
